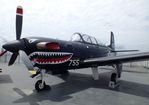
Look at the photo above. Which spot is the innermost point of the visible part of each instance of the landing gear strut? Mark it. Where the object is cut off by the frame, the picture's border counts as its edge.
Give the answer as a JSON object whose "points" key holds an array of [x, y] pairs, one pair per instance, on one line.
{"points": [[40, 85]]}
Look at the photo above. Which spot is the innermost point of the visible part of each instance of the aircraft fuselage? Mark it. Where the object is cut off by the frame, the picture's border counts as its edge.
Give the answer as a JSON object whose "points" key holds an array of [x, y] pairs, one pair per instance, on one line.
{"points": [[65, 55]]}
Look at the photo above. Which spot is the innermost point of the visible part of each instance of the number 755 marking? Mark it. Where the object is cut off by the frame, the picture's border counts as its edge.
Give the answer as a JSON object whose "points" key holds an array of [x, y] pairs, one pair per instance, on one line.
{"points": [[74, 63]]}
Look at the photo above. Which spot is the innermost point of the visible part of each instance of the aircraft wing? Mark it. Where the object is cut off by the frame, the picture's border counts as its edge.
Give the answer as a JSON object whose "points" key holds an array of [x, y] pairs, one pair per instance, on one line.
{"points": [[109, 60]]}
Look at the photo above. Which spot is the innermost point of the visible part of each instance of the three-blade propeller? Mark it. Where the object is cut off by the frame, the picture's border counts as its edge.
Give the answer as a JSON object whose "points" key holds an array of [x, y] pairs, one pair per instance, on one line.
{"points": [[14, 47], [18, 46], [19, 19]]}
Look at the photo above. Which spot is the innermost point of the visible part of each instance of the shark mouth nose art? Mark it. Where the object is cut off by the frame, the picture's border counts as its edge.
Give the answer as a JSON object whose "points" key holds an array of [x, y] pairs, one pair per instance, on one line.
{"points": [[50, 57]]}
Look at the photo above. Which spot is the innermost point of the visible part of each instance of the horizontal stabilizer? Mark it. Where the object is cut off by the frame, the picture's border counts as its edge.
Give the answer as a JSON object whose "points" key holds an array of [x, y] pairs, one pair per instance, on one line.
{"points": [[124, 50]]}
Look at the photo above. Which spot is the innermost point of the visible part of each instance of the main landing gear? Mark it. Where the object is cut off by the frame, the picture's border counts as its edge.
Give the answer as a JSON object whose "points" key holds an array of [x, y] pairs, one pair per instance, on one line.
{"points": [[115, 75], [40, 85], [113, 83]]}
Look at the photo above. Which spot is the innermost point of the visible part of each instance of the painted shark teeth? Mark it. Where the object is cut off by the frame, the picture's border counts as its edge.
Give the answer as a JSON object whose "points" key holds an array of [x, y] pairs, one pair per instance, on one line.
{"points": [[50, 57]]}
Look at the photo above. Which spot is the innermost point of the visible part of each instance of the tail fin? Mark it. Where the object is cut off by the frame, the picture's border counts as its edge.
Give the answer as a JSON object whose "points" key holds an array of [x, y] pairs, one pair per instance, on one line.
{"points": [[112, 45], [112, 42]]}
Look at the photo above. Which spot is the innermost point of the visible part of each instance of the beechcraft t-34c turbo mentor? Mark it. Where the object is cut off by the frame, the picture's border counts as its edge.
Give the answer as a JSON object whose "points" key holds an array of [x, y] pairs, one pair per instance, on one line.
{"points": [[46, 55]]}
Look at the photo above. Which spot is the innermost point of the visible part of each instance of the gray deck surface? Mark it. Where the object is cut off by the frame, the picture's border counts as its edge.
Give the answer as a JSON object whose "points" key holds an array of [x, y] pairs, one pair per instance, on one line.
{"points": [[17, 88]]}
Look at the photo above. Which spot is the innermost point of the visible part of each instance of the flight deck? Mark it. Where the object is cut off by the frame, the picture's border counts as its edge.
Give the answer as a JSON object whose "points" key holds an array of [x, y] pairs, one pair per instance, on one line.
{"points": [[79, 88]]}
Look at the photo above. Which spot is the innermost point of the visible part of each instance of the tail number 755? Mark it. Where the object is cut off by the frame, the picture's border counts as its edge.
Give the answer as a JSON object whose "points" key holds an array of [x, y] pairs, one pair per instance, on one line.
{"points": [[74, 63]]}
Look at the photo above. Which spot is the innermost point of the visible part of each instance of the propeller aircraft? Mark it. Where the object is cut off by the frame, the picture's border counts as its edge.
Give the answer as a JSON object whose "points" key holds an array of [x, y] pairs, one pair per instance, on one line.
{"points": [[47, 55]]}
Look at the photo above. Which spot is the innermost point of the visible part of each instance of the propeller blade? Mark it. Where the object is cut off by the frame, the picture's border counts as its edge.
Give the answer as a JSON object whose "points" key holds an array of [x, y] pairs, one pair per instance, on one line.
{"points": [[12, 59], [2, 53], [26, 61], [30, 65], [19, 19]]}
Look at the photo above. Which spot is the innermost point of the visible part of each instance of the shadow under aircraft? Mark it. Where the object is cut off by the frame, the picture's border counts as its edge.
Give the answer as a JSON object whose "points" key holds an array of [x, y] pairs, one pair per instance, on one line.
{"points": [[80, 82]]}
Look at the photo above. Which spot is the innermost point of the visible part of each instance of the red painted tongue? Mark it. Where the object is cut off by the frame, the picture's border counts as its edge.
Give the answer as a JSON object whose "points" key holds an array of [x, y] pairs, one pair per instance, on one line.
{"points": [[51, 59]]}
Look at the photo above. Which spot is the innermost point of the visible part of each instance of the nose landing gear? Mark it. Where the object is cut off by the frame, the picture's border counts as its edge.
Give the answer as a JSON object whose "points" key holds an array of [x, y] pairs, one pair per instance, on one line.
{"points": [[40, 85]]}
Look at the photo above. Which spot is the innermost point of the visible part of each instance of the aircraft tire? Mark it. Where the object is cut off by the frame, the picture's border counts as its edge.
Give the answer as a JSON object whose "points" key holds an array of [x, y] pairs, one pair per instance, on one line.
{"points": [[39, 88], [113, 81], [113, 77]]}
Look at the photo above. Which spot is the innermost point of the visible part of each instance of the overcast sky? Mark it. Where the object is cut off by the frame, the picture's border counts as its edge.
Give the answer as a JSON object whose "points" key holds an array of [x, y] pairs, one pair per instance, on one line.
{"points": [[128, 19]]}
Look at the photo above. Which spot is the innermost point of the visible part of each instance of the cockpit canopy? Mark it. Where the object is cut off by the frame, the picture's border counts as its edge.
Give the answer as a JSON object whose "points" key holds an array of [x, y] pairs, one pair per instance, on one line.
{"points": [[78, 37]]}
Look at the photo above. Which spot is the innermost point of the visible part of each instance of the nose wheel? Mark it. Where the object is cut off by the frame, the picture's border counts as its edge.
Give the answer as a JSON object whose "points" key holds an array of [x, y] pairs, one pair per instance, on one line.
{"points": [[39, 86]]}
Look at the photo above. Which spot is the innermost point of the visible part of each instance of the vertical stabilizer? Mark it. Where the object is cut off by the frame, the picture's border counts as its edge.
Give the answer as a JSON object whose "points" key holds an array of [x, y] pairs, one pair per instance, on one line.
{"points": [[112, 45], [112, 42]]}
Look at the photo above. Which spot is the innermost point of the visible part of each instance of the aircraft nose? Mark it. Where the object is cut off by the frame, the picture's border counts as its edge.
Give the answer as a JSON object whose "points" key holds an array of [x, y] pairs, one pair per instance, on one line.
{"points": [[13, 46]]}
